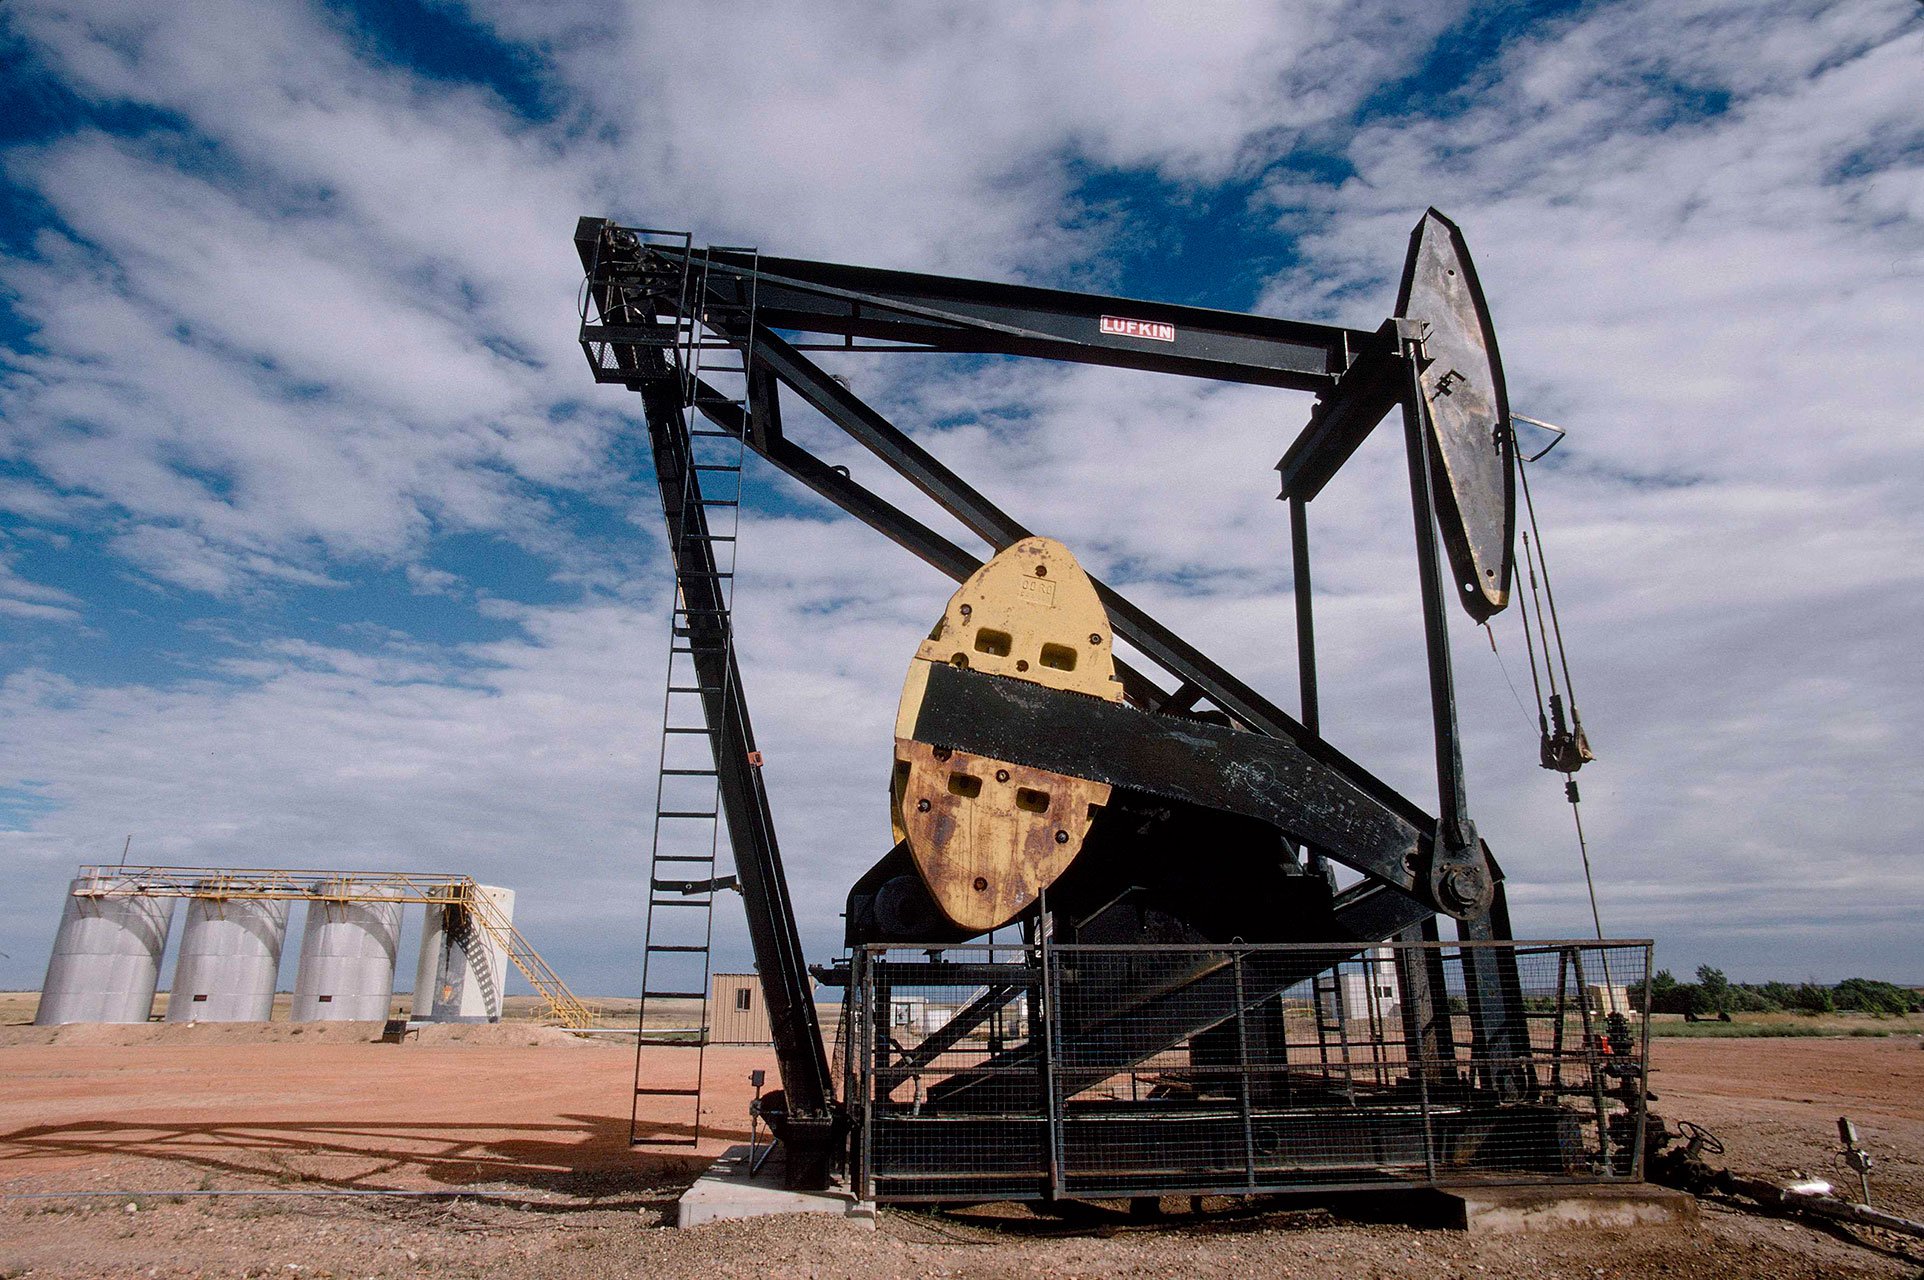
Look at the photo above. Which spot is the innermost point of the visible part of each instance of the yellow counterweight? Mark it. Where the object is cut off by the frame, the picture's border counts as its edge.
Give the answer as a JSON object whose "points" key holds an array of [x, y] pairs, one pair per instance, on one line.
{"points": [[988, 836]]}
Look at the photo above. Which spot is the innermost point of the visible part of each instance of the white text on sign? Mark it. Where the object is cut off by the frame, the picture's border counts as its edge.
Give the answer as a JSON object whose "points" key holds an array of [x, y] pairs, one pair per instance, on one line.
{"points": [[1126, 328]]}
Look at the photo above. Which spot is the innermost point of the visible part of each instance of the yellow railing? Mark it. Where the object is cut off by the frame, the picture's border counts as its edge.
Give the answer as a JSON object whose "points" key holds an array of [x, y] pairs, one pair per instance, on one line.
{"points": [[323, 885], [563, 1005], [305, 885]]}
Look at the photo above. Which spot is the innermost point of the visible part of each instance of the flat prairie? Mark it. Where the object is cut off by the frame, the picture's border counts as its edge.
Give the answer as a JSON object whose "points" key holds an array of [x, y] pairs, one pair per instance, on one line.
{"points": [[539, 1119]]}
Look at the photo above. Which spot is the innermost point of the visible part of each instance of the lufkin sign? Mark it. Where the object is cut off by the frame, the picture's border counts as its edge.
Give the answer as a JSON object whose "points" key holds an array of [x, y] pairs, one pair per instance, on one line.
{"points": [[1122, 327]]}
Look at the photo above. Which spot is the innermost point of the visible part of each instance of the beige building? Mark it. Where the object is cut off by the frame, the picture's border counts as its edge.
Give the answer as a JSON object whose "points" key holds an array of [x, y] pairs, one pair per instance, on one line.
{"points": [[1614, 998], [736, 1013]]}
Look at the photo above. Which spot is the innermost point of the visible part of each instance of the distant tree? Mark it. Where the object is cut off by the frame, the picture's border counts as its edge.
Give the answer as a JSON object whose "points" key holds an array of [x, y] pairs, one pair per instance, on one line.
{"points": [[1713, 990], [1745, 998], [1813, 998], [1667, 995], [1867, 995]]}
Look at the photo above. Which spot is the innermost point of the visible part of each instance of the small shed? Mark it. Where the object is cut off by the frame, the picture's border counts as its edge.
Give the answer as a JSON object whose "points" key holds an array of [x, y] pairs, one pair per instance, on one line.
{"points": [[1612, 998], [736, 1012]]}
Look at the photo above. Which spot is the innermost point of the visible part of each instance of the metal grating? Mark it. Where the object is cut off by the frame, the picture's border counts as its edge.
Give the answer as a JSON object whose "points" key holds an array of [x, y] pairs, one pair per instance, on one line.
{"points": [[981, 1072]]}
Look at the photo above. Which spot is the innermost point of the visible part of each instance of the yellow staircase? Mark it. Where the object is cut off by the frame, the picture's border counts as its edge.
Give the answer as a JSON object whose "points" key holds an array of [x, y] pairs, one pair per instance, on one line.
{"points": [[564, 1006]]}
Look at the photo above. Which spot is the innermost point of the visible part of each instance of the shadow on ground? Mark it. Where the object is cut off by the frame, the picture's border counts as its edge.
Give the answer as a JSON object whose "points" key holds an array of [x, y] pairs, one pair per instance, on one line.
{"points": [[580, 1156]]}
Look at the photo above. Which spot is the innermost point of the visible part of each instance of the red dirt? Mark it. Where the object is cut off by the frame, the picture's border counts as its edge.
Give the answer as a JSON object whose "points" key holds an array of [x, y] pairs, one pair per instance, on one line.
{"points": [[413, 1116], [549, 1123]]}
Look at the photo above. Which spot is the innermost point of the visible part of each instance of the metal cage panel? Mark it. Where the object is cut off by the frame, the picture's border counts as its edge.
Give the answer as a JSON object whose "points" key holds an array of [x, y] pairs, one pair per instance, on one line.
{"points": [[1029, 1072]]}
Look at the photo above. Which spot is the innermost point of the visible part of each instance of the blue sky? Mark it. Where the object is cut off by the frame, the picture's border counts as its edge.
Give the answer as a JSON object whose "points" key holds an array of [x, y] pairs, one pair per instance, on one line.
{"points": [[319, 546]]}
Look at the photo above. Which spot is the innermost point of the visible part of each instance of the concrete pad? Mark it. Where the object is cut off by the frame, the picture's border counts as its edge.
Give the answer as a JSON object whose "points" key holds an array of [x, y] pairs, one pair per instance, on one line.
{"points": [[1505, 1209], [728, 1190]]}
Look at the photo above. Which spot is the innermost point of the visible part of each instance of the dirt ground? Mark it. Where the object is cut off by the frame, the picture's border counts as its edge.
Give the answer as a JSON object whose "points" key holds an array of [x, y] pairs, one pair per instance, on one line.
{"points": [[539, 1119]]}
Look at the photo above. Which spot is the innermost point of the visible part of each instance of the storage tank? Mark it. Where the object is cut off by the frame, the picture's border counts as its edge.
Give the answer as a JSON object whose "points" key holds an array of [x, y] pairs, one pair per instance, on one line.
{"points": [[347, 956], [463, 970], [106, 956], [230, 956]]}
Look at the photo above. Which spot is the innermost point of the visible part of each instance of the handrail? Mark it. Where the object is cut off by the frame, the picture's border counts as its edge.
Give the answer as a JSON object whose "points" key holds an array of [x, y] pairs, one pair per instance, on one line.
{"points": [[563, 1005]]}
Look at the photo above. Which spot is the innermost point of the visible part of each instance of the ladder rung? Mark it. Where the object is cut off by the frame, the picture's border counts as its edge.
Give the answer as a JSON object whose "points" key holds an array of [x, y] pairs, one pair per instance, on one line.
{"points": [[673, 729], [673, 995], [688, 773], [690, 858], [707, 432], [660, 1092], [678, 948], [694, 688], [705, 574], [681, 902], [707, 537], [715, 466], [686, 813]]}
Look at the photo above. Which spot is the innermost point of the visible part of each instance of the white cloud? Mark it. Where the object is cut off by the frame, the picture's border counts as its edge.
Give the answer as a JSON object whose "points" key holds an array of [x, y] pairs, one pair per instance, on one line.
{"points": [[1710, 301], [29, 601], [321, 314], [944, 141]]}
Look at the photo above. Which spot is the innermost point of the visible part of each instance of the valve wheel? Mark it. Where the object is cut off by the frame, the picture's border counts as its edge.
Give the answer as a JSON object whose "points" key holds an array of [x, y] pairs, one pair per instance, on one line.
{"points": [[1701, 1138]]}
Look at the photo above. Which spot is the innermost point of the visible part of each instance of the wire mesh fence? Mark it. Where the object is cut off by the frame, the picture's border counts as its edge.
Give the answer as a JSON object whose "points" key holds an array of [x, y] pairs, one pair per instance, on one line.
{"points": [[1040, 1071]]}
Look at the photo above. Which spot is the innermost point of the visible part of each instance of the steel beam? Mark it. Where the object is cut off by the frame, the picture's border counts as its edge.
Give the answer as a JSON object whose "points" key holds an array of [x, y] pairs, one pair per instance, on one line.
{"points": [[945, 314], [1271, 779], [989, 522]]}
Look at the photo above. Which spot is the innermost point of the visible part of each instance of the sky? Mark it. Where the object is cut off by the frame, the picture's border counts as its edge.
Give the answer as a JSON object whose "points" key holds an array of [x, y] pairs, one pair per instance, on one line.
{"points": [[320, 547]]}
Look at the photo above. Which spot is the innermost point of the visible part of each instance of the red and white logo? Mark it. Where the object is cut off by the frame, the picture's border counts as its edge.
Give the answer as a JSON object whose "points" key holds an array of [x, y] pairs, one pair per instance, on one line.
{"points": [[1154, 330]]}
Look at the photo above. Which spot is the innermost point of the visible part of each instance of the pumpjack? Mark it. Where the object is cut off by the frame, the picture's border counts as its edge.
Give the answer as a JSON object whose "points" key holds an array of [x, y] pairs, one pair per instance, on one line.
{"points": [[1039, 779]]}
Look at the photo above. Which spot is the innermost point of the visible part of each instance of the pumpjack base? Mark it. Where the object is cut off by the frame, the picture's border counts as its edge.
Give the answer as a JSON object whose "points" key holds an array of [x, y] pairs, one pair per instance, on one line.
{"points": [[731, 1188], [1499, 1210]]}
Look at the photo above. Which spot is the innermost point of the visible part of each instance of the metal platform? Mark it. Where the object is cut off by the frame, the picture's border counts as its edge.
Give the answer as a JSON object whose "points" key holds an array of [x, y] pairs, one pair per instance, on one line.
{"points": [[1082, 1071]]}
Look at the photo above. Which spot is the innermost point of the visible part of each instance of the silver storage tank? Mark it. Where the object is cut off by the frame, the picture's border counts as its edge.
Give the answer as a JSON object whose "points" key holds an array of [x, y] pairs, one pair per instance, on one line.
{"points": [[106, 956], [463, 969], [347, 956], [230, 956]]}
